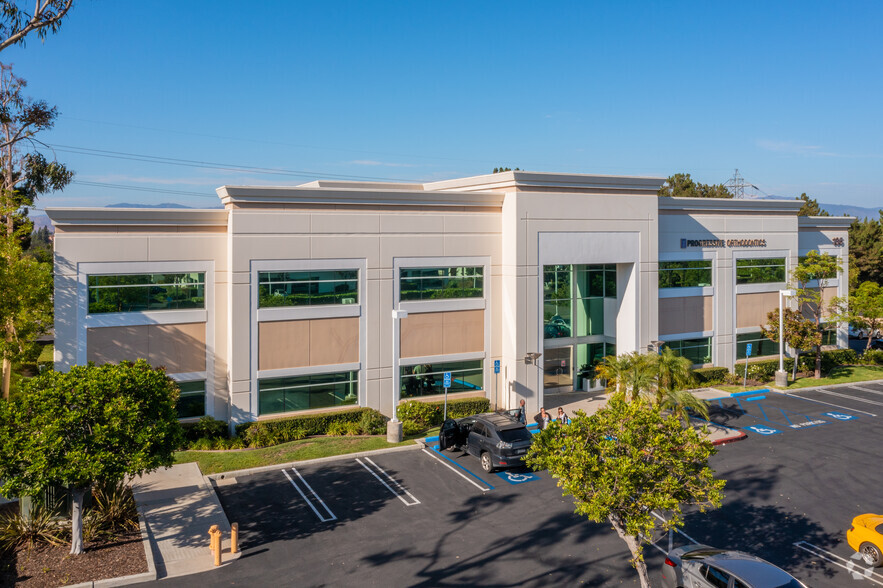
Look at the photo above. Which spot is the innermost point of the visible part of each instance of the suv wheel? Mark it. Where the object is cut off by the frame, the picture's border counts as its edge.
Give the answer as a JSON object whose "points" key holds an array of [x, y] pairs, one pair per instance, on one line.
{"points": [[486, 463]]}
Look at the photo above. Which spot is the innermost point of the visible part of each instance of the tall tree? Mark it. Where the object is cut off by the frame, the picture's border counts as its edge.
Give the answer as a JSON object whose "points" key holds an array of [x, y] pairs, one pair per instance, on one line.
{"points": [[24, 175], [626, 462], [866, 251], [16, 23], [683, 186], [799, 332], [809, 279], [863, 309], [87, 426], [810, 207]]}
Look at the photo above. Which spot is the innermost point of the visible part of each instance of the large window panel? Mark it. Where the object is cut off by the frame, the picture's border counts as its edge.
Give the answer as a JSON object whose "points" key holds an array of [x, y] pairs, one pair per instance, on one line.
{"points": [[191, 402], [288, 394], [760, 346], [428, 379], [685, 274], [696, 350], [557, 301], [760, 271], [441, 283], [145, 292], [308, 288]]}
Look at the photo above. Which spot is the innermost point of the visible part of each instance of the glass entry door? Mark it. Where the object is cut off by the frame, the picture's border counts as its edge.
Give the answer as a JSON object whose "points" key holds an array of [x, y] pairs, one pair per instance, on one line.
{"points": [[557, 368]]}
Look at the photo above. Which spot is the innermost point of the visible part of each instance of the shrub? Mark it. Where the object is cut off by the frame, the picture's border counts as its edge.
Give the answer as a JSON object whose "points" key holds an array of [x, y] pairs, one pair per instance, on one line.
{"points": [[266, 433], [464, 407], [412, 428], [426, 414], [40, 527], [761, 371], [113, 509], [372, 423], [352, 429], [336, 429], [710, 375], [873, 357], [205, 428], [309, 424], [201, 444]]}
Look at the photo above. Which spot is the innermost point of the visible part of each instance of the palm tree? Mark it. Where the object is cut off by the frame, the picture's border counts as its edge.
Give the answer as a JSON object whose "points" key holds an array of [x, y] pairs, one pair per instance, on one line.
{"points": [[612, 369], [681, 402], [674, 373], [630, 374]]}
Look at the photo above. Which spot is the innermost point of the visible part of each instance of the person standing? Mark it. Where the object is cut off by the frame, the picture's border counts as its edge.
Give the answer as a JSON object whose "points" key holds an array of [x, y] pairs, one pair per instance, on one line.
{"points": [[562, 418], [545, 418], [522, 413]]}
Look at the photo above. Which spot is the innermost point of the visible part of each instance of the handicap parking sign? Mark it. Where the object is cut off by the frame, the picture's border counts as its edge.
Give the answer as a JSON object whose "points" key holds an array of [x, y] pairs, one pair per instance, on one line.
{"points": [[447, 377], [763, 430], [518, 477], [839, 416]]}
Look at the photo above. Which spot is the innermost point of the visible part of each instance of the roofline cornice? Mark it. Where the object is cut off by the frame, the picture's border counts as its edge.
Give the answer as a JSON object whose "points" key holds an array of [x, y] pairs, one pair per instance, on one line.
{"points": [[516, 179], [825, 222], [355, 196], [724, 205], [137, 216]]}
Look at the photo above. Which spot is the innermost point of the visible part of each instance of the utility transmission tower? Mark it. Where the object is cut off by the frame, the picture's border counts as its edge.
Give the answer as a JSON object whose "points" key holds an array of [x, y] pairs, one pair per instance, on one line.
{"points": [[737, 185]]}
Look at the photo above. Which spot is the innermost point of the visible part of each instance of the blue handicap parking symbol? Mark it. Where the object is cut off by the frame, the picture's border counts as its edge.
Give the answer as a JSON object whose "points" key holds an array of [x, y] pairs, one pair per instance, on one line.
{"points": [[517, 477], [839, 416], [763, 430], [447, 379]]}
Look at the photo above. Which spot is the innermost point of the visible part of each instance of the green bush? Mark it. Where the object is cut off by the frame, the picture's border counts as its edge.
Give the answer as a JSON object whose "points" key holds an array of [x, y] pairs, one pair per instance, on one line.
{"points": [[412, 428], [310, 424], [372, 423], [873, 357], [710, 375], [464, 407], [761, 371], [352, 429], [426, 414], [205, 428], [336, 429]]}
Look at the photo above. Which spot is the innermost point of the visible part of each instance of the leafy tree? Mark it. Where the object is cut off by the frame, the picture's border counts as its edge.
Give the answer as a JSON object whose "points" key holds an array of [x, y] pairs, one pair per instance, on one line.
{"points": [[864, 309], [25, 304], [16, 24], [626, 462], [683, 186], [94, 424], [810, 207], [501, 169], [800, 333], [814, 268], [866, 250], [23, 177]]}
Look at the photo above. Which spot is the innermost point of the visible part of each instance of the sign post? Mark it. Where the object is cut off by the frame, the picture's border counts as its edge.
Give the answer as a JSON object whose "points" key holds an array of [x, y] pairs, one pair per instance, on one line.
{"points": [[496, 381], [447, 384], [747, 355]]}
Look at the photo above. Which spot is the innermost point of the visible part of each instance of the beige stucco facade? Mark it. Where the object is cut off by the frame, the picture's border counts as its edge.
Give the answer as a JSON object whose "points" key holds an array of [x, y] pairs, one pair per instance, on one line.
{"points": [[508, 227]]}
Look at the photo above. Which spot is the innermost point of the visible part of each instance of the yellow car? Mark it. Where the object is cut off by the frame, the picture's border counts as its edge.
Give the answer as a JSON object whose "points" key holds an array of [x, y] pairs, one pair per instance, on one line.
{"points": [[866, 537]]}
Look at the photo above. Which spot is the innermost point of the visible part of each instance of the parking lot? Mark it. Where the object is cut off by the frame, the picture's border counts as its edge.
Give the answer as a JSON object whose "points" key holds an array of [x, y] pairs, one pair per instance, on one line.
{"points": [[810, 463]]}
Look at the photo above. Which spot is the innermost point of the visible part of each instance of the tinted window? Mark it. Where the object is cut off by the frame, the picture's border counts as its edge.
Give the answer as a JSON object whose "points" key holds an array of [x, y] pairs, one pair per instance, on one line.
{"points": [[512, 435], [479, 429], [716, 577], [740, 584]]}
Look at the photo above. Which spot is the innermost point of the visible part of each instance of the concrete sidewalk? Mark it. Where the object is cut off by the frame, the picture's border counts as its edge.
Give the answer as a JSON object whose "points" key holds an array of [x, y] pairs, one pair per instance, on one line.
{"points": [[590, 402], [178, 505]]}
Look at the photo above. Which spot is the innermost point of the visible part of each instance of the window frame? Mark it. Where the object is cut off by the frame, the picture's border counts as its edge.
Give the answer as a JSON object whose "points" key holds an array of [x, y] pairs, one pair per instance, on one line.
{"points": [[686, 269], [450, 277], [353, 380], [758, 262], [150, 284], [309, 284]]}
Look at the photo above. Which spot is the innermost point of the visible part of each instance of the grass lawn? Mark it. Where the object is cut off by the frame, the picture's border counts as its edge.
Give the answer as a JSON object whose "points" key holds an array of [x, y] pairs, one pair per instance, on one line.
{"points": [[843, 374], [215, 462]]}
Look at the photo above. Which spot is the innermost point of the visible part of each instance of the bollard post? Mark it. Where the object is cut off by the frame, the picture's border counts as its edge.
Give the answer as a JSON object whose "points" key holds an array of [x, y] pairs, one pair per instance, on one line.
{"points": [[234, 537], [215, 533]]}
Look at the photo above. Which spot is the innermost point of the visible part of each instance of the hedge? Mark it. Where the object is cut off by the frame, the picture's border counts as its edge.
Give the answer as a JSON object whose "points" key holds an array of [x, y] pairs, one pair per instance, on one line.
{"points": [[309, 424], [873, 357], [710, 375], [429, 414], [765, 370]]}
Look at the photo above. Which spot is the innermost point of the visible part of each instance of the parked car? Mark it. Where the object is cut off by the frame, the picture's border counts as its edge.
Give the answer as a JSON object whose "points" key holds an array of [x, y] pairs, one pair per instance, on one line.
{"points": [[878, 344], [701, 566], [866, 537], [857, 332], [497, 439]]}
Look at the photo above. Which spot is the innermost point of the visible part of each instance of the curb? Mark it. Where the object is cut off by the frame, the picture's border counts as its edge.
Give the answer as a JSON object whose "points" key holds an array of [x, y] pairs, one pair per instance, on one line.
{"points": [[270, 468], [148, 576], [741, 435]]}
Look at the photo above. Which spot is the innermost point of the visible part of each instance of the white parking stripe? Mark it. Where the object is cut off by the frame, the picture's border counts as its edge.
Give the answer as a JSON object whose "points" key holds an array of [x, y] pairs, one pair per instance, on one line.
{"points": [[304, 496], [858, 398], [399, 486], [482, 488], [879, 392], [858, 572], [322, 502], [832, 404]]}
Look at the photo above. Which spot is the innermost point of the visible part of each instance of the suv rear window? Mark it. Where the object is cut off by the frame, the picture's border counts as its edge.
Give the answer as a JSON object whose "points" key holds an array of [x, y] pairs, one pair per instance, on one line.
{"points": [[512, 435]]}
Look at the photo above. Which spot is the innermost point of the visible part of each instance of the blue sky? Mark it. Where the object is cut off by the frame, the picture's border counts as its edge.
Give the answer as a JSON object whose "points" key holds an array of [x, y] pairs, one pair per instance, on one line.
{"points": [[788, 92]]}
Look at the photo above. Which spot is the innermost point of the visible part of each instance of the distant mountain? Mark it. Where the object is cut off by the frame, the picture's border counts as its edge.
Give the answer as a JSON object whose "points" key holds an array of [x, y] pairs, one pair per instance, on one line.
{"points": [[858, 212], [163, 205]]}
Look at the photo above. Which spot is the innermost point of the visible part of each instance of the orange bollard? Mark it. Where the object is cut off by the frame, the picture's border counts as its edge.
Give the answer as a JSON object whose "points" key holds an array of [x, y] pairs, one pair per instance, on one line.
{"points": [[215, 544], [234, 537]]}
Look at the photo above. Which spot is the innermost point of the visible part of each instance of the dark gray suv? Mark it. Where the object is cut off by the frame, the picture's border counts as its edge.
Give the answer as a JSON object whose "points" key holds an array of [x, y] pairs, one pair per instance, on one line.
{"points": [[496, 439]]}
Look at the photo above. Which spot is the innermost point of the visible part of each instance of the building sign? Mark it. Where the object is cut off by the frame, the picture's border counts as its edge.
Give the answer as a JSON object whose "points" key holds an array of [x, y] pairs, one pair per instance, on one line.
{"points": [[722, 243]]}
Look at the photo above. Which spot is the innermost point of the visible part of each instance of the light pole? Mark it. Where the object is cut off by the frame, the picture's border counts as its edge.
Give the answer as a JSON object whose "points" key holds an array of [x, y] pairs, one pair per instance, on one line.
{"points": [[394, 426], [782, 375]]}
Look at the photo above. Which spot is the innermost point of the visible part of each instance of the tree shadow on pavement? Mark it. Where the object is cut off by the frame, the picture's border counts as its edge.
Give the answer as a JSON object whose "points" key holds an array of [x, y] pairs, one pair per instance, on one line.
{"points": [[767, 531], [547, 549]]}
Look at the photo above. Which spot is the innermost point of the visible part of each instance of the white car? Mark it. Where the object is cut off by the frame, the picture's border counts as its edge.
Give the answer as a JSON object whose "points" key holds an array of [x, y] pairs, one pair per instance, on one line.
{"points": [[701, 566], [857, 332]]}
